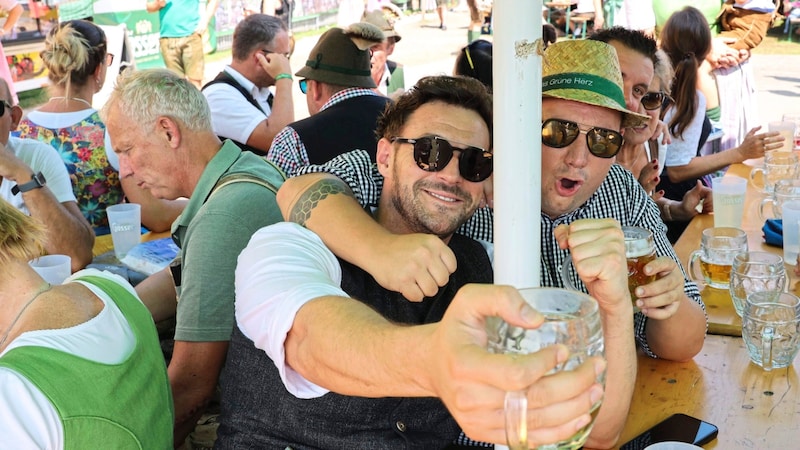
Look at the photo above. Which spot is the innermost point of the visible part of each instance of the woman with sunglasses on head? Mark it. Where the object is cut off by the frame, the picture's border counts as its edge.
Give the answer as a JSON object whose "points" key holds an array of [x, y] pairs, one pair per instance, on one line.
{"points": [[77, 58], [645, 157], [687, 41]]}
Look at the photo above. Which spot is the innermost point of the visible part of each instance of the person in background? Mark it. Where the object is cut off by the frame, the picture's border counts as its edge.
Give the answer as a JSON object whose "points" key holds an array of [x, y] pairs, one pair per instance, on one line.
{"points": [[342, 103], [13, 10], [35, 181], [76, 58], [243, 108], [75, 10], [687, 41], [638, 60], [80, 363], [475, 60], [387, 75], [181, 35], [161, 129]]}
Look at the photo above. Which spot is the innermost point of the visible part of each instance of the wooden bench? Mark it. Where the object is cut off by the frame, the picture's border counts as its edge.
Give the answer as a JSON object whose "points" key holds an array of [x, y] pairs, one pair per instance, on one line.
{"points": [[580, 22]]}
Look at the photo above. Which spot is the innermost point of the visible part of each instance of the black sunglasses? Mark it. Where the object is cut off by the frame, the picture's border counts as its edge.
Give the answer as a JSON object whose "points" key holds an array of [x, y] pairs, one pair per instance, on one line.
{"points": [[656, 100], [303, 85], [4, 105], [602, 142], [433, 154]]}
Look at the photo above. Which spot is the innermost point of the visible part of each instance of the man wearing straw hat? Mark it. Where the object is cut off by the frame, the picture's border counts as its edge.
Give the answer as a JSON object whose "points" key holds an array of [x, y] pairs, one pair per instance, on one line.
{"points": [[338, 85], [325, 357], [581, 116]]}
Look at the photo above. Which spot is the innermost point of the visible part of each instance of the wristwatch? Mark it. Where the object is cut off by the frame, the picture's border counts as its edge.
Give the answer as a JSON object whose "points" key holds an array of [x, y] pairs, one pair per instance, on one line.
{"points": [[37, 181]]}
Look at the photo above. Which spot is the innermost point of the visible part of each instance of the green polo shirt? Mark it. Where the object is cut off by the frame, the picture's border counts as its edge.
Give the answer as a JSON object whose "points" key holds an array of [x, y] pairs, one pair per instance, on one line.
{"points": [[211, 232]]}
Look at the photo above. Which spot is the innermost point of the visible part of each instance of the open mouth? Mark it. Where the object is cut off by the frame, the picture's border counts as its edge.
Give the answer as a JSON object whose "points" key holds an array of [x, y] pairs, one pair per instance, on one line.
{"points": [[566, 186]]}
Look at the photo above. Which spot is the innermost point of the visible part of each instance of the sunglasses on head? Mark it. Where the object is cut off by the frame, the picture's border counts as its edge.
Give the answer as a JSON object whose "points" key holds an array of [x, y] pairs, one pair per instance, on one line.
{"points": [[656, 100], [303, 85], [602, 142], [433, 154]]}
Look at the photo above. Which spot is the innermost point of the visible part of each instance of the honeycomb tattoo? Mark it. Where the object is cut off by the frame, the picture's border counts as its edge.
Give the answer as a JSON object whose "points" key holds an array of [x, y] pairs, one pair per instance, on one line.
{"points": [[311, 197]]}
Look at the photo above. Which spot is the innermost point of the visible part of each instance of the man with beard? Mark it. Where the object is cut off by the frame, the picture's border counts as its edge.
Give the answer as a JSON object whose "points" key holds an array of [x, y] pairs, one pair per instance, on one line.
{"points": [[325, 357], [585, 198]]}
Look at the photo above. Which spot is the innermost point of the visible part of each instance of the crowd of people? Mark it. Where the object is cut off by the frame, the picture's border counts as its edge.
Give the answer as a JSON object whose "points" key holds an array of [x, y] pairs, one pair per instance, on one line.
{"points": [[334, 274]]}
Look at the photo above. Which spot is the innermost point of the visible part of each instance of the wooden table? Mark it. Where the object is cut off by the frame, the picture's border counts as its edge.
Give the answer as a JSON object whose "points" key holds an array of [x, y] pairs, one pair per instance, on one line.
{"points": [[753, 409], [722, 318]]}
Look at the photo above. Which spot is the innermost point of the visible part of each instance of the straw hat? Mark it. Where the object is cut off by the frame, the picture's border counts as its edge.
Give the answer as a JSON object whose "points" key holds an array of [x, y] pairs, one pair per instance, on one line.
{"points": [[587, 71], [384, 21], [341, 56]]}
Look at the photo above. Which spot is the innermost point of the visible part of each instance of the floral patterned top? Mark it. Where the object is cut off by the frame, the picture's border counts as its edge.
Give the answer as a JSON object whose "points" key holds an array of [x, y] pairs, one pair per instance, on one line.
{"points": [[82, 147]]}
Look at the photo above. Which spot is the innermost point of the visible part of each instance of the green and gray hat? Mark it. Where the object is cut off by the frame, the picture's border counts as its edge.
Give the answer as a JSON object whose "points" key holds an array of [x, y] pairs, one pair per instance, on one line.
{"points": [[341, 56]]}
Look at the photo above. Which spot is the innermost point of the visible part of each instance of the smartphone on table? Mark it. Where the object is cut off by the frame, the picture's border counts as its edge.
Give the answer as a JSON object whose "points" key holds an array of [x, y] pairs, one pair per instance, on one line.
{"points": [[677, 427]]}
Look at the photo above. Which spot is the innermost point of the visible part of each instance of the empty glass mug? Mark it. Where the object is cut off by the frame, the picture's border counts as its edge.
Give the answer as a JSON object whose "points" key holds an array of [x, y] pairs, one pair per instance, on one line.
{"points": [[777, 166], [785, 191], [755, 272], [771, 328], [571, 319]]}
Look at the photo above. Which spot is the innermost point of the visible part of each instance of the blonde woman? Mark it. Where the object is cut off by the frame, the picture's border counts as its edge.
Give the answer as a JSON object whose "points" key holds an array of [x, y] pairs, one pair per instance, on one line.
{"points": [[76, 58], [80, 363]]}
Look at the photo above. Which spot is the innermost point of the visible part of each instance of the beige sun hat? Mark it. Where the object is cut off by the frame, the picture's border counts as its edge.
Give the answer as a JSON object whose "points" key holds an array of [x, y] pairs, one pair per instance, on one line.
{"points": [[384, 21], [342, 57], [588, 72]]}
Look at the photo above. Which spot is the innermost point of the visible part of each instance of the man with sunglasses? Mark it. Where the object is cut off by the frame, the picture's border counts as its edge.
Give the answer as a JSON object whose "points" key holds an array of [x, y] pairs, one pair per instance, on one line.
{"points": [[325, 357], [243, 108], [342, 104], [580, 138], [34, 180]]}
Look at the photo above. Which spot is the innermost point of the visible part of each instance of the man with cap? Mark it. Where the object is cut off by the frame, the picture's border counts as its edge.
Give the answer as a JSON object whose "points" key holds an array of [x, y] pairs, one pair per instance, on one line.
{"points": [[585, 199], [243, 108], [342, 104], [324, 357], [388, 75]]}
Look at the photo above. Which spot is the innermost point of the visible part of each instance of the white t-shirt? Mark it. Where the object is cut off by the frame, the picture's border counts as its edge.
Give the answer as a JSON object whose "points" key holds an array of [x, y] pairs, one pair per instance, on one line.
{"points": [[283, 267], [232, 116], [27, 418], [43, 158], [682, 149], [66, 120]]}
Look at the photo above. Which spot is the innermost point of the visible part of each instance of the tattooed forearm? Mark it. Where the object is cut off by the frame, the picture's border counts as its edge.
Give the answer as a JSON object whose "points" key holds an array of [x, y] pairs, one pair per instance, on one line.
{"points": [[301, 210]]}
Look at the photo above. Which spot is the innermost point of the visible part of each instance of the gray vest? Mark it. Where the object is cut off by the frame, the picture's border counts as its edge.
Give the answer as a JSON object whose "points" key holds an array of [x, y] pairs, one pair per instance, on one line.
{"points": [[258, 412]]}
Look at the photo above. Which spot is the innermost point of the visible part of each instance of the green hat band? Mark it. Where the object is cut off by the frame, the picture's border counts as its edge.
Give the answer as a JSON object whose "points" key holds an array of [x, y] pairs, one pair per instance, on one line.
{"points": [[586, 82]]}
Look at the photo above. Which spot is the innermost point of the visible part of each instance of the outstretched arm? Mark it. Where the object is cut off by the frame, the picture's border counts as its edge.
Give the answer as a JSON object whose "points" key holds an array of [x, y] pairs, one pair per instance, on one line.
{"points": [[414, 265]]}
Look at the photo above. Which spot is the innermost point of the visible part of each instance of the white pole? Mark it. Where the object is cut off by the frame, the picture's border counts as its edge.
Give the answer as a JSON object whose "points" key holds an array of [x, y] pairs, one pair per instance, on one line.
{"points": [[517, 74]]}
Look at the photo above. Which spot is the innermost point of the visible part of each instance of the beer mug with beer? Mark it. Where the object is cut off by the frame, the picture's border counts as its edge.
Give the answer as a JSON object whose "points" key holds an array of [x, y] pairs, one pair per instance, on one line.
{"points": [[640, 249], [718, 247]]}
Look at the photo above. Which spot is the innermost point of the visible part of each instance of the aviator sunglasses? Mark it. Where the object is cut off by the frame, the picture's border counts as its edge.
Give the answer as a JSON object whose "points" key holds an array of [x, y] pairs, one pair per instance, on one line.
{"points": [[433, 154], [4, 106], [602, 142], [655, 100]]}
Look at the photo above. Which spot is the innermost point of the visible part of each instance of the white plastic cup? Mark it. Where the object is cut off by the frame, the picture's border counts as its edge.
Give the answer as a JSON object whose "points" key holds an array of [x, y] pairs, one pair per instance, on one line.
{"points": [[125, 221], [791, 231], [53, 268], [794, 117], [728, 194], [786, 129]]}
